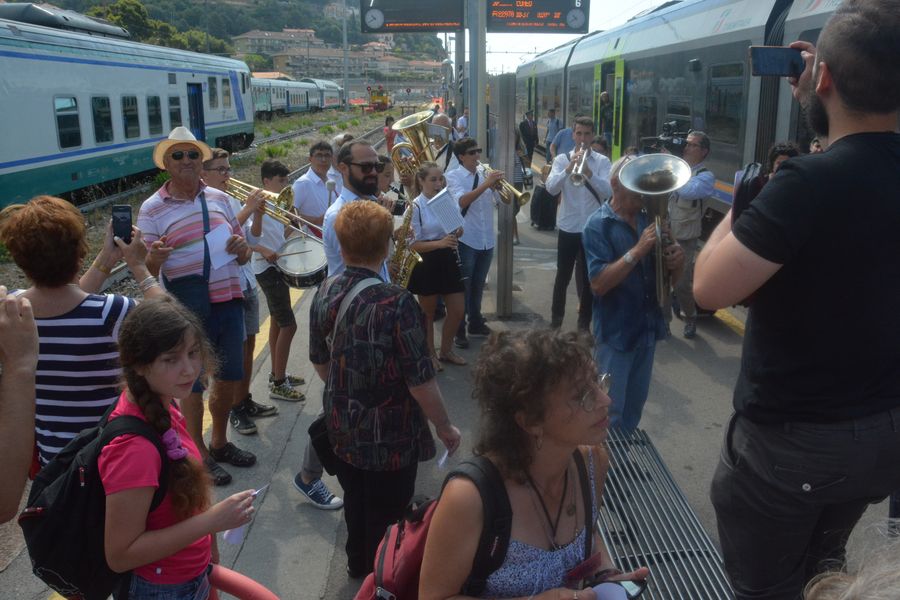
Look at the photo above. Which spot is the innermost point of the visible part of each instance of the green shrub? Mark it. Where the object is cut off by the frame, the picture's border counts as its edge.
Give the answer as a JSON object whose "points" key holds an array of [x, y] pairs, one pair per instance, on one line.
{"points": [[303, 142], [265, 132], [161, 178], [4, 255], [326, 130], [354, 122], [343, 125]]}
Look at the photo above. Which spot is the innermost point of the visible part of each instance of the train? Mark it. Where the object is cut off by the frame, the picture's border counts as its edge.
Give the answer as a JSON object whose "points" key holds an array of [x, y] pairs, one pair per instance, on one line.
{"points": [[273, 97], [685, 64], [83, 105]]}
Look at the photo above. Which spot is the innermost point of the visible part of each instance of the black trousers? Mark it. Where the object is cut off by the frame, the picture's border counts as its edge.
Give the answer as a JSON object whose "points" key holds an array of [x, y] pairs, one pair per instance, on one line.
{"points": [[372, 501], [569, 258]]}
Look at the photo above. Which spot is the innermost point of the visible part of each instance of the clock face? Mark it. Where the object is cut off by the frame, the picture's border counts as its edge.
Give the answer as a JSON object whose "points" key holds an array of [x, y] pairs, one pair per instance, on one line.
{"points": [[575, 18], [374, 18]]}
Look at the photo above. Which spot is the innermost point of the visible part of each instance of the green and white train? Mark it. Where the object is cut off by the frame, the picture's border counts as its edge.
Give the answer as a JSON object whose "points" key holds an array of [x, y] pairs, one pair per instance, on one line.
{"points": [[78, 110]]}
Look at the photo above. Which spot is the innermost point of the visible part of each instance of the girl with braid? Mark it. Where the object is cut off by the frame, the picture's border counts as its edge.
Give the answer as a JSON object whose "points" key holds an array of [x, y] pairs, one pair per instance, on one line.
{"points": [[163, 350]]}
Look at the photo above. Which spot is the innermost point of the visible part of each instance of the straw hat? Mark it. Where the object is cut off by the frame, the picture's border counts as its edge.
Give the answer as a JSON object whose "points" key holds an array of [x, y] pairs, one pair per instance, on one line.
{"points": [[179, 135]]}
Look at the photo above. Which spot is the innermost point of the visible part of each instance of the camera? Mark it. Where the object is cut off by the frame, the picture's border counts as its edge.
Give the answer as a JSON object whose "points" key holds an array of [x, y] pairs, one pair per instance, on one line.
{"points": [[671, 140]]}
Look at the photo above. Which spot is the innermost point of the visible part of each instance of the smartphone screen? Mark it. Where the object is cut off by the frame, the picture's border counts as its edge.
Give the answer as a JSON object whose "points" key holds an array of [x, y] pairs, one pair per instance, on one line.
{"points": [[776, 61], [121, 218]]}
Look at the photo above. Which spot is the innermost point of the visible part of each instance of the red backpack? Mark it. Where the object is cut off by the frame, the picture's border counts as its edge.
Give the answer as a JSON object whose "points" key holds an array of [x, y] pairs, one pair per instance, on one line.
{"points": [[399, 556]]}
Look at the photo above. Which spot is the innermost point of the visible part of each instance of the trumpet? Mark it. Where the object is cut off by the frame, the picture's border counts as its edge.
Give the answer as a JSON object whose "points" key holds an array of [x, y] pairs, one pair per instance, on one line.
{"points": [[655, 176], [577, 174], [508, 192], [278, 206]]}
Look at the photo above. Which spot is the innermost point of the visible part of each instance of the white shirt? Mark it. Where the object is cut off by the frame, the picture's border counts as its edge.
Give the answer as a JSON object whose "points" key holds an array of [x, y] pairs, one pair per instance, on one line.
{"points": [[330, 240], [462, 126], [311, 195], [272, 238], [425, 224], [578, 203], [248, 279], [478, 232], [338, 179]]}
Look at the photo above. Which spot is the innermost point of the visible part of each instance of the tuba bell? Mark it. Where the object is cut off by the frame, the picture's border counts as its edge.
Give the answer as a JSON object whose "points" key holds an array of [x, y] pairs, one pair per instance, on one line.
{"points": [[414, 128], [656, 176]]}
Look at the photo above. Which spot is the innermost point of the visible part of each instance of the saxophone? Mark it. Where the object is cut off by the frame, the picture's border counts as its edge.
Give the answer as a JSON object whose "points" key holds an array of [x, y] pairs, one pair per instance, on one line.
{"points": [[404, 259]]}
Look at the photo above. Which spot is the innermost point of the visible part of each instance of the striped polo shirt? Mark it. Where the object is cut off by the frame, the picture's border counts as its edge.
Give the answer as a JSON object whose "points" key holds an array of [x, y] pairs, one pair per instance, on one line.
{"points": [[78, 370], [181, 221]]}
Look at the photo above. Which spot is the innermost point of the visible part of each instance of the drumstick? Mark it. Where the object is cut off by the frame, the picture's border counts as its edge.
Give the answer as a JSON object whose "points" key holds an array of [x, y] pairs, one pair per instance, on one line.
{"points": [[293, 253]]}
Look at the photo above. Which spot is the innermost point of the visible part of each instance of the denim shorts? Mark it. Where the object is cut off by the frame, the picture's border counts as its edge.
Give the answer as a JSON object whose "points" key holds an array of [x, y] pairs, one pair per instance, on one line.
{"points": [[225, 330], [251, 311], [278, 297], [195, 589]]}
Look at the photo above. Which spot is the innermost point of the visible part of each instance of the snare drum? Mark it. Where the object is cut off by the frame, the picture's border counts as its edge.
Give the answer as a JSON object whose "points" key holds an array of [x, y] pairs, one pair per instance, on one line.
{"points": [[302, 261]]}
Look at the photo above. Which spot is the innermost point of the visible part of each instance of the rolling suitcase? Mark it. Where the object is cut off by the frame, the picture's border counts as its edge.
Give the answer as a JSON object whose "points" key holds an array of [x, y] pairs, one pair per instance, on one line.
{"points": [[543, 209]]}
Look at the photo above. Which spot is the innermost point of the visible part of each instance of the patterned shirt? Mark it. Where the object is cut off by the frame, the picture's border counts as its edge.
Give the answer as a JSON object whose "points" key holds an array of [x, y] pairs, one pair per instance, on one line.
{"points": [[78, 370], [181, 221], [380, 351]]}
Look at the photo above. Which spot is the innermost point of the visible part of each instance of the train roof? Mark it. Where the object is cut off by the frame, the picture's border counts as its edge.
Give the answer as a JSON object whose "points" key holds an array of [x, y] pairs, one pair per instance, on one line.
{"points": [[57, 18], [281, 83], [322, 84], [106, 49]]}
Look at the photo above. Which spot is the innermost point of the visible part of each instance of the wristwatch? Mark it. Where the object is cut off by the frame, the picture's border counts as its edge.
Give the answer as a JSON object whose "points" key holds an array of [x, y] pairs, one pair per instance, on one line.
{"points": [[629, 258]]}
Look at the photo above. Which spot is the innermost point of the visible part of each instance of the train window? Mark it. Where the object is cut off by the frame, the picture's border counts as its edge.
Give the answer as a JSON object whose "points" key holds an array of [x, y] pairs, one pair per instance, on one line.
{"points": [[724, 97], [213, 93], [101, 110], [174, 112], [646, 109], [226, 93], [67, 126], [130, 119], [171, 78], [154, 115], [679, 110]]}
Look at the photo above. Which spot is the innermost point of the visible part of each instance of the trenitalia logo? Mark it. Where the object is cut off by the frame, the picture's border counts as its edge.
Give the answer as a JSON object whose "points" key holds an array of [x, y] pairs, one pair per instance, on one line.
{"points": [[723, 17]]}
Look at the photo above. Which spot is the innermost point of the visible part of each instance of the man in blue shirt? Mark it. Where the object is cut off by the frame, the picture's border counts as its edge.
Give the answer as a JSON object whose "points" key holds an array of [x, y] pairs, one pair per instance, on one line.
{"points": [[563, 141], [553, 127], [619, 239]]}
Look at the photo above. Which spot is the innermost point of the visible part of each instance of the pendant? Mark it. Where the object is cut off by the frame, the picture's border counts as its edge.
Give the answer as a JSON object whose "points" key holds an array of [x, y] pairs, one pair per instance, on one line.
{"points": [[570, 509]]}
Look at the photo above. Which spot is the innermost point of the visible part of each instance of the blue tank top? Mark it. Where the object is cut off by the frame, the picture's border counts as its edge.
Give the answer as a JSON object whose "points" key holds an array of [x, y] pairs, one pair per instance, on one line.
{"points": [[528, 570]]}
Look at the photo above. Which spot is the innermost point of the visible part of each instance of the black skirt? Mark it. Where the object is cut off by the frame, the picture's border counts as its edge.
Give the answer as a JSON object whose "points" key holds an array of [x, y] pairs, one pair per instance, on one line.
{"points": [[438, 273]]}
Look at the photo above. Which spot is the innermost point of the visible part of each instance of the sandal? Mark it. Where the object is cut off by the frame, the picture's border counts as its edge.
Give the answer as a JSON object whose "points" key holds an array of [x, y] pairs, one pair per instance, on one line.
{"points": [[231, 454], [218, 475], [437, 363], [453, 359]]}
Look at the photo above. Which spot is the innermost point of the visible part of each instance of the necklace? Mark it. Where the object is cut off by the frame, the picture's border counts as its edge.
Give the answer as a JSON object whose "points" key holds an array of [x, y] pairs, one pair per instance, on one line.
{"points": [[553, 524]]}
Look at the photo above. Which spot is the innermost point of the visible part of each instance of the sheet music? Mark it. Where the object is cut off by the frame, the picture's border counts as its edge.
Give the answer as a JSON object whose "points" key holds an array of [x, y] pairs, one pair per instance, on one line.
{"points": [[445, 208]]}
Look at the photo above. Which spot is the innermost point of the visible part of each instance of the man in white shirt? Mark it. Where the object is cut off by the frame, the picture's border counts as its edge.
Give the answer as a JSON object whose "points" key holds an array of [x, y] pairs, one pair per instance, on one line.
{"points": [[462, 124], [473, 191], [577, 203], [311, 195], [685, 217]]}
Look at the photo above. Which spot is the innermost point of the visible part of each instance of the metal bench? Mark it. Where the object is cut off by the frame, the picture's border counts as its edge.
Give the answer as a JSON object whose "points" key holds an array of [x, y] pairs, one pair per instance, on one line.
{"points": [[645, 519]]}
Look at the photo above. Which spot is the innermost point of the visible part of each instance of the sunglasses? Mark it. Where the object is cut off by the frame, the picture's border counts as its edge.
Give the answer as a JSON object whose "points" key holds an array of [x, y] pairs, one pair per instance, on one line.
{"points": [[219, 170], [179, 154], [473, 151], [378, 167]]}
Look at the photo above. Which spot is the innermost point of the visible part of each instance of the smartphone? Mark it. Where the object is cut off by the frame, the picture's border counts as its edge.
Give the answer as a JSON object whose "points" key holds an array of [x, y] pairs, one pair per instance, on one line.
{"points": [[121, 218], [621, 589], [776, 61]]}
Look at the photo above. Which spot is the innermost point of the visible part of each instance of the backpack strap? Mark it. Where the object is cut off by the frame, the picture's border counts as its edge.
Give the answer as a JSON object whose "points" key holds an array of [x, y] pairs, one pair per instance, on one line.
{"points": [[494, 539], [587, 502], [125, 425]]}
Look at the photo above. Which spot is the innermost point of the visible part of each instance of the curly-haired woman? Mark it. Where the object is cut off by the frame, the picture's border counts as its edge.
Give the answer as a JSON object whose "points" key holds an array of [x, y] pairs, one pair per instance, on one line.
{"points": [[543, 408]]}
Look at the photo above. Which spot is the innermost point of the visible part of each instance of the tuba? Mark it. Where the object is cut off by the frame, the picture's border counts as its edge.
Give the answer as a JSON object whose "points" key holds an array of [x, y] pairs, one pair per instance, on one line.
{"points": [[415, 129], [404, 259], [655, 176]]}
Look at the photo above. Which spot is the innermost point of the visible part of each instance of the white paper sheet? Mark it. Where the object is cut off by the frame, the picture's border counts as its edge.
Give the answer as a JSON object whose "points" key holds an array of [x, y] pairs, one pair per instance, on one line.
{"points": [[217, 239]]}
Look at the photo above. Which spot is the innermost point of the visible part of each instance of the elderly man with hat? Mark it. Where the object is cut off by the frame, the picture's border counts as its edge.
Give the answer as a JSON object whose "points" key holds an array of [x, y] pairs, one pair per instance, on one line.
{"points": [[175, 222]]}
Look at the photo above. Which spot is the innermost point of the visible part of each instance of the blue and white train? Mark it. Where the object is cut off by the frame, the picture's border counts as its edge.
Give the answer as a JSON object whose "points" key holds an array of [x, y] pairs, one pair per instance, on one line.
{"points": [[80, 109], [278, 97], [685, 62]]}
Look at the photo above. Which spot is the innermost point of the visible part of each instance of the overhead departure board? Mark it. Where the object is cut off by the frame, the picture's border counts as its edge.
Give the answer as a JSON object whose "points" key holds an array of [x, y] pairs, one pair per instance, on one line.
{"points": [[538, 16], [395, 16]]}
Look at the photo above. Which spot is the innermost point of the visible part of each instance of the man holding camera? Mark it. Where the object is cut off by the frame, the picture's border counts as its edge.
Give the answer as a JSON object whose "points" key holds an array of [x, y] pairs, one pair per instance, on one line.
{"points": [[815, 437], [685, 217]]}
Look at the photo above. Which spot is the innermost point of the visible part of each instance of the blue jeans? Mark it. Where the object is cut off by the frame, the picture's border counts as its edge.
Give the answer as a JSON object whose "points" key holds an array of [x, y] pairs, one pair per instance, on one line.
{"points": [[475, 267], [195, 589], [630, 382]]}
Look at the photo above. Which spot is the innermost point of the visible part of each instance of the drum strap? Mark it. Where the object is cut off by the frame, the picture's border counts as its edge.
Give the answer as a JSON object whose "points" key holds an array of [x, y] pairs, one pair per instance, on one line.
{"points": [[345, 304]]}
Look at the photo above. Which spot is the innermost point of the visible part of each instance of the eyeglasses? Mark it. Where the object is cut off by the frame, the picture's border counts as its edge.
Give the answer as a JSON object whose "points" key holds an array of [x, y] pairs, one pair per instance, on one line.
{"points": [[588, 401], [378, 167], [219, 170], [322, 156], [179, 154], [473, 151]]}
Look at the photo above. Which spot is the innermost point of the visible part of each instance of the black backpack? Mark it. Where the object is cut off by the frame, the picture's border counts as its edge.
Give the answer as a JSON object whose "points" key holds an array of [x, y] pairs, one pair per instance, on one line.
{"points": [[64, 520]]}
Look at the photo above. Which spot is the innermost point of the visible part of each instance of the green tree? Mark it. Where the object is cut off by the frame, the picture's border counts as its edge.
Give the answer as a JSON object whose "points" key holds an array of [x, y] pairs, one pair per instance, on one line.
{"points": [[259, 62], [130, 14]]}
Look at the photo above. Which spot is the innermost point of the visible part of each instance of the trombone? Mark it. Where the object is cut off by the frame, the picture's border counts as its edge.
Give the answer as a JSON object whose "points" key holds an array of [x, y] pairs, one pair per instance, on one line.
{"points": [[508, 192], [577, 174], [276, 206]]}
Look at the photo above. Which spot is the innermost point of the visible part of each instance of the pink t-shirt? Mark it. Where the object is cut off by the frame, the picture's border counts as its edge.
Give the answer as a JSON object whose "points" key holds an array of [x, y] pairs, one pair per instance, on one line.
{"points": [[131, 461]]}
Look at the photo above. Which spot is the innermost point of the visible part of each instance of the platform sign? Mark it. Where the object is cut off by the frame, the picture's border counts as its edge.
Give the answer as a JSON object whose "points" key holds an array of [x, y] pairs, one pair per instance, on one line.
{"points": [[395, 16], [538, 16]]}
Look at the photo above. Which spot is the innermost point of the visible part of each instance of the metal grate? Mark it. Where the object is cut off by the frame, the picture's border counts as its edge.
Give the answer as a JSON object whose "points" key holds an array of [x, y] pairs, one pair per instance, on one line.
{"points": [[646, 520]]}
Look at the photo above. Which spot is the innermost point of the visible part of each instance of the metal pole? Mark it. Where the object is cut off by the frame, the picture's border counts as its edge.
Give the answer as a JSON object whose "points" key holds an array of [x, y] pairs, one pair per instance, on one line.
{"points": [[477, 18], [503, 109], [459, 48], [344, 27]]}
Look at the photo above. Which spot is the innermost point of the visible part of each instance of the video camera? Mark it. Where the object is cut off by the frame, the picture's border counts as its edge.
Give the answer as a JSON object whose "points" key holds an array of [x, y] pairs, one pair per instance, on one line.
{"points": [[670, 140]]}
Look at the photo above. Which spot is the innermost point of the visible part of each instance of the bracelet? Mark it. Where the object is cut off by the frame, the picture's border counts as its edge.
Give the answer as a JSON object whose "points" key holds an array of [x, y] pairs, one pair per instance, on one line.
{"points": [[101, 268], [148, 283]]}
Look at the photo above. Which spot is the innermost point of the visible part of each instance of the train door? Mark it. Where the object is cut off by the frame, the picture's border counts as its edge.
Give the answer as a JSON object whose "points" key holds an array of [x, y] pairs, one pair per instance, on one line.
{"points": [[195, 110], [609, 77]]}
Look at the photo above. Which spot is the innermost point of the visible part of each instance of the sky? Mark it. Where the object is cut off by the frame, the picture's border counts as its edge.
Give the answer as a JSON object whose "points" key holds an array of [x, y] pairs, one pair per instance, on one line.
{"points": [[506, 51]]}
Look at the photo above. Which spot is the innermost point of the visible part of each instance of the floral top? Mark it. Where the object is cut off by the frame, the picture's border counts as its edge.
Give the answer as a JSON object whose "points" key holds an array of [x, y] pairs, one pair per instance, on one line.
{"points": [[380, 351]]}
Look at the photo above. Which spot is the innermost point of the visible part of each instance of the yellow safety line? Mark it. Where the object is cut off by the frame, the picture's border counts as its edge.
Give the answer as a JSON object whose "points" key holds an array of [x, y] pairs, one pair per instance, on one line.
{"points": [[730, 321]]}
